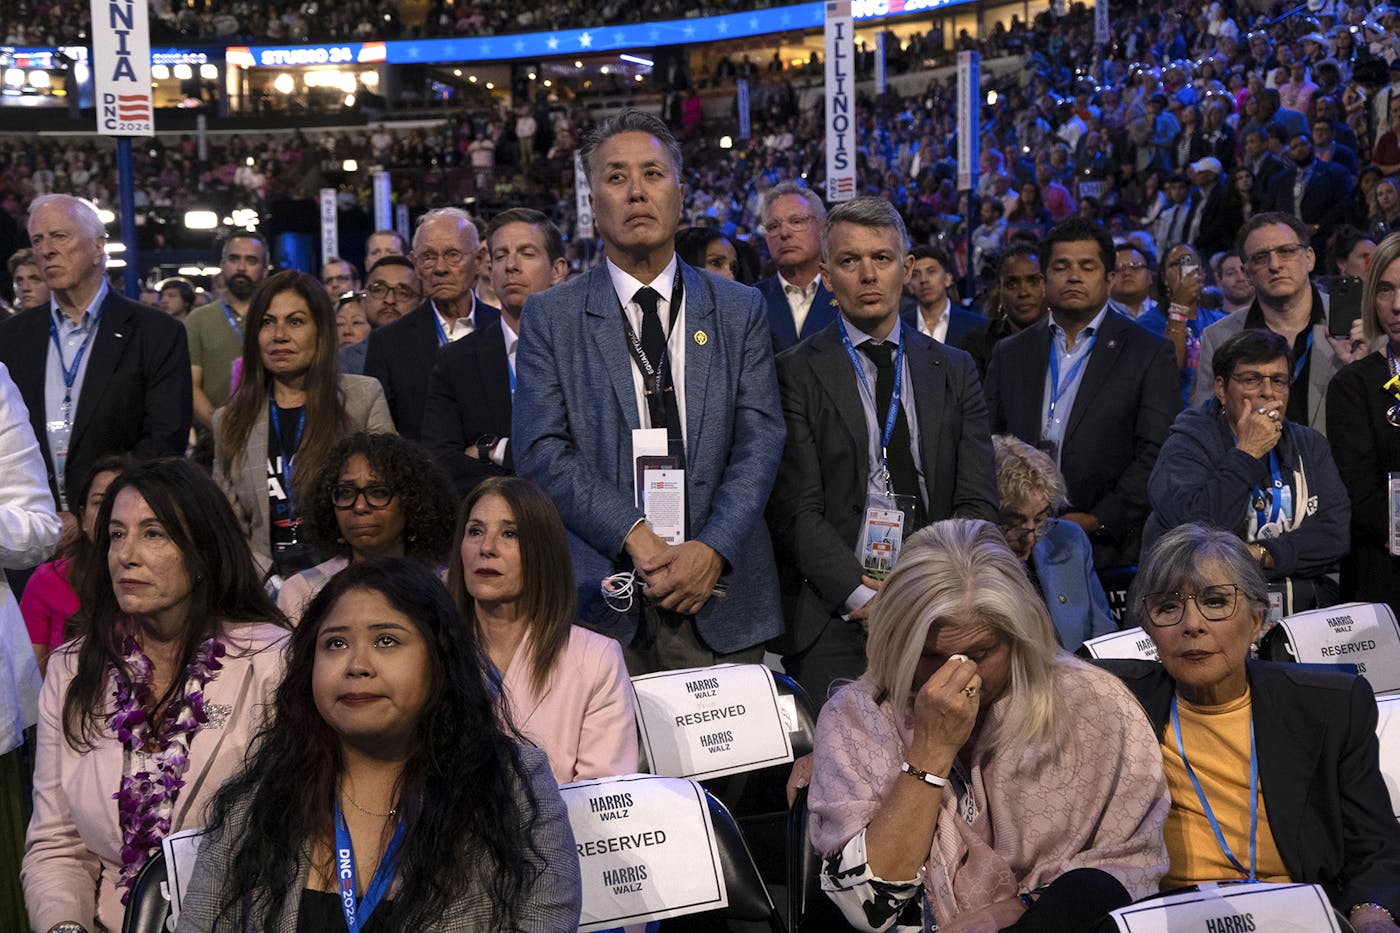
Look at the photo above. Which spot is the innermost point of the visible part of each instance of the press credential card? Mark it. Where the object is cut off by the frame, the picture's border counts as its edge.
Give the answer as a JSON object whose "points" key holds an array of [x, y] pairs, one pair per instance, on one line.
{"points": [[646, 850], [711, 721], [880, 540]]}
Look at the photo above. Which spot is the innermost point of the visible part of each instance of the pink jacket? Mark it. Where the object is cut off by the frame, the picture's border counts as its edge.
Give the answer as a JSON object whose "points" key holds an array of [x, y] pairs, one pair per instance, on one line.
{"points": [[72, 853], [585, 718]]}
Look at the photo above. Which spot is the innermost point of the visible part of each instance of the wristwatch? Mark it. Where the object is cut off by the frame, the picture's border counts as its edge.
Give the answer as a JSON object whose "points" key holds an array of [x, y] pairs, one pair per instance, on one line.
{"points": [[485, 444]]}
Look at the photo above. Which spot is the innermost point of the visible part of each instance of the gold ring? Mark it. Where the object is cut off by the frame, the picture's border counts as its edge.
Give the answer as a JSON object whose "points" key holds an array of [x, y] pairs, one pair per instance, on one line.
{"points": [[970, 690]]}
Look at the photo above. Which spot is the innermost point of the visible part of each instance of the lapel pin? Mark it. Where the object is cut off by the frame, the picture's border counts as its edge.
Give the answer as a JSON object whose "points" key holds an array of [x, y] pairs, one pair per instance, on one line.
{"points": [[116, 335], [701, 338], [1112, 344]]}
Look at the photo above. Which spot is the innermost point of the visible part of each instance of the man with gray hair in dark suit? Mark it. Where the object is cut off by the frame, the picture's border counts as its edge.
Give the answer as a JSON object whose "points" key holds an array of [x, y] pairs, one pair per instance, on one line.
{"points": [[647, 371]]}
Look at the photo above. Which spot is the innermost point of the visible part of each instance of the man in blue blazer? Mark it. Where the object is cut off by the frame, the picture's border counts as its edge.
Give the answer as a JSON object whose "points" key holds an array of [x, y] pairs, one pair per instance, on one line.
{"points": [[799, 304], [584, 346]]}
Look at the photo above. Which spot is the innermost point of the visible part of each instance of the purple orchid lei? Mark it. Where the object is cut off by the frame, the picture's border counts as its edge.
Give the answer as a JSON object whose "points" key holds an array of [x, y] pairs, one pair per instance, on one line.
{"points": [[146, 800]]}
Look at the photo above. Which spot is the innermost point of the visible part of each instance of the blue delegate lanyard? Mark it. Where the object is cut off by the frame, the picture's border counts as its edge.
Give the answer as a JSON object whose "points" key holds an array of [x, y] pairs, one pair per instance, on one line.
{"points": [[70, 373], [296, 445], [232, 320], [357, 914], [510, 368], [893, 413], [442, 334], [1303, 357], [1276, 482], [1057, 389], [1205, 804]]}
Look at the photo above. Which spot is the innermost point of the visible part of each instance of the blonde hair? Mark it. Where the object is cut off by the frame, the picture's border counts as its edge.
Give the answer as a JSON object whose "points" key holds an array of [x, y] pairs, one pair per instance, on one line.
{"points": [[1023, 471], [961, 572], [1387, 251]]}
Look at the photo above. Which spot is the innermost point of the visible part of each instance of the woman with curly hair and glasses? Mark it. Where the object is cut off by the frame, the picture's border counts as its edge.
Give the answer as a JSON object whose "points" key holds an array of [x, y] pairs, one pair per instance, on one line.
{"points": [[378, 495], [385, 795]]}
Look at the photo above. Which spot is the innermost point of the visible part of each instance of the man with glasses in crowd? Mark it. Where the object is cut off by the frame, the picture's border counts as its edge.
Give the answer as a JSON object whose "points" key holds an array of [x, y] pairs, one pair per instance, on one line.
{"points": [[1131, 294], [401, 355], [392, 291], [798, 303], [1278, 259], [339, 277]]}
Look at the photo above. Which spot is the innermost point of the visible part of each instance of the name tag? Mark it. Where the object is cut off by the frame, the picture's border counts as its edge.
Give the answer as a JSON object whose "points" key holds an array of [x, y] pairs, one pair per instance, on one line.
{"points": [[1237, 908], [711, 721], [881, 536], [660, 484], [1130, 644], [646, 848], [1364, 634]]}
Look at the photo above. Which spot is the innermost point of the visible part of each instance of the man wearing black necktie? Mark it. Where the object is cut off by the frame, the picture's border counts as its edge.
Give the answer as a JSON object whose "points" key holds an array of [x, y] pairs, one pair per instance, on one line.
{"points": [[879, 417]]}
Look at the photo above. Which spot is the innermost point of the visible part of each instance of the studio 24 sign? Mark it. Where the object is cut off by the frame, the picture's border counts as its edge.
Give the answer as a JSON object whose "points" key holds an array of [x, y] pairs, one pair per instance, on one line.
{"points": [[121, 68], [711, 721]]}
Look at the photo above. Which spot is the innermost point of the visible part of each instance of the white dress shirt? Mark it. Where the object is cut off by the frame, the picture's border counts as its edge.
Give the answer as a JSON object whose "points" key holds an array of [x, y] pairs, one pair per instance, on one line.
{"points": [[799, 299], [626, 287], [939, 331], [456, 330]]}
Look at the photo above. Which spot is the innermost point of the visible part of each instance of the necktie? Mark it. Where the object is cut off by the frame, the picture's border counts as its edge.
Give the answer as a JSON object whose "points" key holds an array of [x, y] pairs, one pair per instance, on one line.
{"points": [[904, 476], [662, 406]]}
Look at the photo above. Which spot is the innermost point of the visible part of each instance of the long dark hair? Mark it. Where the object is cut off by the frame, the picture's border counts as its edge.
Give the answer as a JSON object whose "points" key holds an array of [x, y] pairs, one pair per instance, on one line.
{"points": [[225, 586], [326, 421], [82, 554], [425, 495], [548, 602], [464, 797]]}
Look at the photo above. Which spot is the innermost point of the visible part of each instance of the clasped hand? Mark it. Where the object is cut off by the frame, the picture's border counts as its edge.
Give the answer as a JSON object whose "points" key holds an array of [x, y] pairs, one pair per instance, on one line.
{"points": [[681, 577]]}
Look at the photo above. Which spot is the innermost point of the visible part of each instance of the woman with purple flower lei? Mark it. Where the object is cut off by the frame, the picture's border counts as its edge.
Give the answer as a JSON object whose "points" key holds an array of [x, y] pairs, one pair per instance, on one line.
{"points": [[142, 719]]}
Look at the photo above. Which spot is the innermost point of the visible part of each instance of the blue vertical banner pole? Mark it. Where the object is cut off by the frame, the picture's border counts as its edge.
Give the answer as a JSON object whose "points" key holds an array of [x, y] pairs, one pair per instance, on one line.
{"points": [[126, 194]]}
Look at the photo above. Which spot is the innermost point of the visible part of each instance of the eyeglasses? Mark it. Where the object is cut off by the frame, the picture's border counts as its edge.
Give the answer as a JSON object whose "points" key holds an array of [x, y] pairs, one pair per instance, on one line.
{"points": [[453, 257], [1253, 380], [1286, 253], [796, 224], [1214, 603], [1015, 526], [377, 495], [381, 290], [1132, 267]]}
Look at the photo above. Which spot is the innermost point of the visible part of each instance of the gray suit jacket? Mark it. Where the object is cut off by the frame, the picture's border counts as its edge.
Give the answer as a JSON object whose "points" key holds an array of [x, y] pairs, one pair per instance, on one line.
{"points": [[552, 905], [1321, 369], [246, 486], [574, 412]]}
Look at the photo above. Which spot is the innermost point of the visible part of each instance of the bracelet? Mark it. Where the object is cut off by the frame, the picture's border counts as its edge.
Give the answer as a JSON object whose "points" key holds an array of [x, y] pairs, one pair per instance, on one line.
{"points": [[72, 926], [932, 780], [1388, 914]]}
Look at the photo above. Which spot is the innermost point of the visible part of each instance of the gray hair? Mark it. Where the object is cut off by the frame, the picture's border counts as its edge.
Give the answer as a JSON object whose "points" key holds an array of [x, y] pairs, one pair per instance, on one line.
{"points": [[83, 210], [961, 572], [796, 189], [866, 211], [461, 218], [1023, 470], [1180, 556], [630, 120]]}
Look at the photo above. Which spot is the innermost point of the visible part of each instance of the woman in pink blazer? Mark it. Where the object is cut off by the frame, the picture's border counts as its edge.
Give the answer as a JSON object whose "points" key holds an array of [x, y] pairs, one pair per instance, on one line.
{"points": [[566, 688], [144, 717]]}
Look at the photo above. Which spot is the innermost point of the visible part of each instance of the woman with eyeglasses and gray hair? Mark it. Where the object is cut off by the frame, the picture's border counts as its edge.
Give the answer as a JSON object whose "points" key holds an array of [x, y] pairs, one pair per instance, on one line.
{"points": [[1057, 555], [978, 777], [1237, 462], [1273, 768]]}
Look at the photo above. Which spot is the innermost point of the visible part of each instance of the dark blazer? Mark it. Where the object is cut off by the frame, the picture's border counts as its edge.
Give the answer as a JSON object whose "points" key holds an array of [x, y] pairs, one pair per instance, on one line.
{"points": [[1345, 156], [1130, 392], [780, 323], [1213, 236], [137, 394], [818, 502], [1326, 197], [961, 321], [469, 398], [402, 355], [1271, 167], [1366, 448], [1319, 772]]}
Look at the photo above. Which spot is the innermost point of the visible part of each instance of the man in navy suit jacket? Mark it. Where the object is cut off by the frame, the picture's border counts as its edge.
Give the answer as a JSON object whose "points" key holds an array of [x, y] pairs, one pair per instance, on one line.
{"points": [[1325, 191], [1091, 388], [128, 365], [798, 303], [401, 355], [580, 396], [932, 311], [466, 422]]}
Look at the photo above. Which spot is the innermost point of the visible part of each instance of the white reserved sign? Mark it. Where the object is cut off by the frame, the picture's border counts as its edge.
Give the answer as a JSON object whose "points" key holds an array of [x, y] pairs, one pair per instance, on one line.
{"points": [[1388, 733], [1237, 908], [181, 850], [646, 850], [1364, 634], [707, 722], [1131, 644]]}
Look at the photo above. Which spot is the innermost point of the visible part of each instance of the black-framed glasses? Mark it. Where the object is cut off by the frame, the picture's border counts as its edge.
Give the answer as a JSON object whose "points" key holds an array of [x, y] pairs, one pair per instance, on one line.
{"points": [[377, 495], [381, 290], [1253, 380], [1286, 253], [1016, 526], [1214, 603]]}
